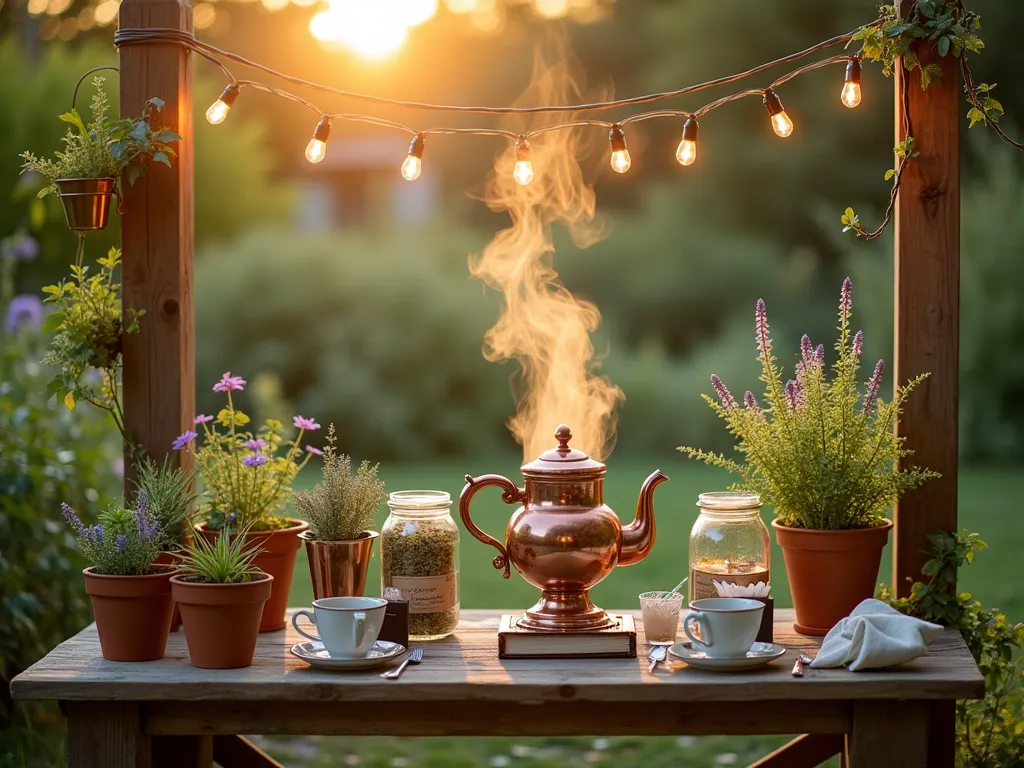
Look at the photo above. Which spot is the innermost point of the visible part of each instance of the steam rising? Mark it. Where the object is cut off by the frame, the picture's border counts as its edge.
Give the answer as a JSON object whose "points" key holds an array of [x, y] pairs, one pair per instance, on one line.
{"points": [[542, 324]]}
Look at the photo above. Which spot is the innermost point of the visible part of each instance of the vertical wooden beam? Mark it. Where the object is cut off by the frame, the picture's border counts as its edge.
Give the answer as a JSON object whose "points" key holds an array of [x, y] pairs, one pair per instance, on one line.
{"points": [[927, 304], [156, 235], [105, 734], [889, 734]]}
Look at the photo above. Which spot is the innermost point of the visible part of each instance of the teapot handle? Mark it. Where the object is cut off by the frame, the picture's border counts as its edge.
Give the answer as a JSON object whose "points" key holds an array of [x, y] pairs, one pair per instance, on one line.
{"points": [[511, 494]]}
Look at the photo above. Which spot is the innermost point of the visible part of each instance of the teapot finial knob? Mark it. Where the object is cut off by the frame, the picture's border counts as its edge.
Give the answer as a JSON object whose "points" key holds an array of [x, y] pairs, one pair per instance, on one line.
{"points": [[563, 435]]}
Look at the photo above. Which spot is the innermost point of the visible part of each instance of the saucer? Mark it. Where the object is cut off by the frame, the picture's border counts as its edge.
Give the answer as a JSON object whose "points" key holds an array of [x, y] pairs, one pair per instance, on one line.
{"points": [[316, 655], [759, 653]]}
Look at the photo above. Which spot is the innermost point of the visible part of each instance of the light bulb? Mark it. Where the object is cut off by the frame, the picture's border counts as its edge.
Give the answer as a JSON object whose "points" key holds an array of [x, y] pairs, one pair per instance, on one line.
{"points": [[220, 108], [620, 154], [781, 123], [414, 161], [686, 152], [523, 172], [316, 150], [851, 88]]}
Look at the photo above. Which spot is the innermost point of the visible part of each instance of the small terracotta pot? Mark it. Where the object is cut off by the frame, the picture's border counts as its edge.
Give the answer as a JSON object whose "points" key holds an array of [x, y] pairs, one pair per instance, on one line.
{"points": [[133, 613], [221, 621], [338, 568], [86, 202], [829, 572], [277, 559]]}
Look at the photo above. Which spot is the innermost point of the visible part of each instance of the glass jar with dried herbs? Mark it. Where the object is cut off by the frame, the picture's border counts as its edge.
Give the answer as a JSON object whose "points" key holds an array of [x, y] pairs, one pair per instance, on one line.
{"points": [[420, 558]]}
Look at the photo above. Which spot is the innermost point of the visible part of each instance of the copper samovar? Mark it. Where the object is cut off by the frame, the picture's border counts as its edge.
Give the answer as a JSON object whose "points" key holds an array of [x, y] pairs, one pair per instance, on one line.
{"points": [[564, 539]]}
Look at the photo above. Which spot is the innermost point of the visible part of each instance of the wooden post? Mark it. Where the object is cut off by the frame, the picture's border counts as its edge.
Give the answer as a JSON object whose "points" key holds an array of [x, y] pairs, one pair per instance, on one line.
{"points": [[156, 236], [927, 305], [927, 328]]}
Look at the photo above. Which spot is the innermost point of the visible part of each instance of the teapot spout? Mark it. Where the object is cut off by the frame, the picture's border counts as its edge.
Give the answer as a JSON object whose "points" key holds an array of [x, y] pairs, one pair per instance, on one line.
{"points": [[638, 536]]}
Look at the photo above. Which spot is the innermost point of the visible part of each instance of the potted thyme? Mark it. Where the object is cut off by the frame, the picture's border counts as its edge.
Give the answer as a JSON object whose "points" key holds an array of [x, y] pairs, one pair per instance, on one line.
{"points": [[222, 595], [247, 479], [340, 511], [131, 597], [95, 155], [828, 460]]}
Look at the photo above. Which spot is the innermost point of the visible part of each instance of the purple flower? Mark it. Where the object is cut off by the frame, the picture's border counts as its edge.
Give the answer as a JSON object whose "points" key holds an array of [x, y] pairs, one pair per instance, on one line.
{"points": [[871, 396], [25, 312], [94, 535], [24, 247], [314, 450], [764, 341], [794, 394], [228, 382], [806, 350], [750, 401], [141, 502], [202, 418], [122, 542], [724, 395], [858, 343], [183, 439], [118, 466], [256, 445], [819, 354], [307, 424], [256, 460], [846, 296], [72, 518]]}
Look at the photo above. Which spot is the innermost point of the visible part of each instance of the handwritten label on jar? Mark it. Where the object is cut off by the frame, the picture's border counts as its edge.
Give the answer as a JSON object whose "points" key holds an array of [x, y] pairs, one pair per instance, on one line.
{"points": [[429, 594]]}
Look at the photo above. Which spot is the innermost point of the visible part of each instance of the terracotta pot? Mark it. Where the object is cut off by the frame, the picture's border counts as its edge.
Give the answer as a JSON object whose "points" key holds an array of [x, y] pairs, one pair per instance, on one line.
{"points": [[338, 568], [277, 559], [133, 613], [169, 558], [221, 621], [86, 202], [830, 572]]}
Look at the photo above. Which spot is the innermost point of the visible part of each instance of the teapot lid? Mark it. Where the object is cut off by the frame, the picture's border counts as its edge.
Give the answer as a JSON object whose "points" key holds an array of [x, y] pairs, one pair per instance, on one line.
{"points": [[563, 459]]}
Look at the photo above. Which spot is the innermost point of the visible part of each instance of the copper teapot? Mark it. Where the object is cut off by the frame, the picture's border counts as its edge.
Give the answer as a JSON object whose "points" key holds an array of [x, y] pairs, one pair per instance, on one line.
{"points": [[564, 539]]}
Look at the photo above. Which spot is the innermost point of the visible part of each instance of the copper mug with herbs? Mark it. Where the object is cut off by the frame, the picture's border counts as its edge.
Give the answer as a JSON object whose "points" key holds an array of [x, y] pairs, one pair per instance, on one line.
{"points": [[564, 539]]}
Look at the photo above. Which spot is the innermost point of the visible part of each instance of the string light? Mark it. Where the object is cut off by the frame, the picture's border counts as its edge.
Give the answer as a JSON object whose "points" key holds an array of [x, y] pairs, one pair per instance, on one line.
{"points": [[620, 154], [316, 150], [686, 152], [851, 88], [523, 172], [414, 161], [781, 122], [220, 108]]}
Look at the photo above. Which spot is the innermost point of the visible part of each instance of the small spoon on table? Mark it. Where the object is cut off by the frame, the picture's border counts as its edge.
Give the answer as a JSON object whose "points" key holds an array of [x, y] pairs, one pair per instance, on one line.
{"points": [[656, 654]]}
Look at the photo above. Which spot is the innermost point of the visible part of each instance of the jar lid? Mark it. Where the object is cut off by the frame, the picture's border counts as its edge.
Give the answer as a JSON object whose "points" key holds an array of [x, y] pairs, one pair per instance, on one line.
{"points": [[424, 500], [563, 459], [729, 501]]}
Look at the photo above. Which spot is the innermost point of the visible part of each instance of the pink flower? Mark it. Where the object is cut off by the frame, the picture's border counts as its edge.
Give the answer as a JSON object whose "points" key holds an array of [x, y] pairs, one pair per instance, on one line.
{"points": [[846, 296], [307, 424], [202, 418], [724, 395], [794, 394], [256, 445], [858, 343], [871, 395], [183, 439], [764, 341], [314, 450], [229, 382]]}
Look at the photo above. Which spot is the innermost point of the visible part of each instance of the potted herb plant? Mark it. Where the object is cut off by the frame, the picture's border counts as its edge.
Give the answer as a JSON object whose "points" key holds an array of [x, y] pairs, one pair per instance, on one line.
{"points": [[340, 511], [222, 595], [131, 597], [88, 171], [828, 461], [247, 479]]}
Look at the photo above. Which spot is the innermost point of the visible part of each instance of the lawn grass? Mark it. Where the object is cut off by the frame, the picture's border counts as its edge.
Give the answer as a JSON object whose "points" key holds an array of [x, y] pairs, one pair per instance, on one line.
{"points": [[988, 504]]}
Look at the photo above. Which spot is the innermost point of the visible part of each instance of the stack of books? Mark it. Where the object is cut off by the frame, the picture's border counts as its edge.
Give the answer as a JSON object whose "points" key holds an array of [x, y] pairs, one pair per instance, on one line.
{"points": [[616, 642]]}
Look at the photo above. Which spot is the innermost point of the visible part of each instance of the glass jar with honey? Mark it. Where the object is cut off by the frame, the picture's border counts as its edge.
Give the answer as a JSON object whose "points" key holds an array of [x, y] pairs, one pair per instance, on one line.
{"points": [[728, 543]]}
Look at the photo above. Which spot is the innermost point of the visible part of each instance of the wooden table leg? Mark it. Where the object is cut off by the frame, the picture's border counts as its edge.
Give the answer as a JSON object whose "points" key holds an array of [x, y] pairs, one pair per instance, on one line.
{"points": [[106, 734], [182, 751], [889, 734]]}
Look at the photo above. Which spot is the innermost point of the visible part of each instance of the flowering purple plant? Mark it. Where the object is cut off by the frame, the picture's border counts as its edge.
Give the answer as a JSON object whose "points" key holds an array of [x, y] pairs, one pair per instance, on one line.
{"points": [[821, 455], [24, 313], [246, 475], [124, 542]]}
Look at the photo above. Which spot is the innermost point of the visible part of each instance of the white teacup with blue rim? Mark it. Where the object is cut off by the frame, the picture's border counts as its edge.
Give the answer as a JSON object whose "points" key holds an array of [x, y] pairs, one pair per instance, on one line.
{"points": [[348, 626], [728, 625]]}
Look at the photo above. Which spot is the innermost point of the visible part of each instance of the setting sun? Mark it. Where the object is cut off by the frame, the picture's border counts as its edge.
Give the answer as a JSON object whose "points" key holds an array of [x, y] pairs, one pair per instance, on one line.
{"points": [[373, 31]]}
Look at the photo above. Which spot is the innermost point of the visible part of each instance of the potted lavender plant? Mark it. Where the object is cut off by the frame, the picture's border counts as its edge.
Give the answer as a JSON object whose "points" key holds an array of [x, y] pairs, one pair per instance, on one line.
{"points": [[340, 511], [131, 597], [828, 461], [247, 479]]}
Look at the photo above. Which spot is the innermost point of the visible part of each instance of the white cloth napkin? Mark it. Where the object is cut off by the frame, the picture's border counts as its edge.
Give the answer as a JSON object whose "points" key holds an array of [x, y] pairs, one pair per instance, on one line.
{"points": [[873, 636]]}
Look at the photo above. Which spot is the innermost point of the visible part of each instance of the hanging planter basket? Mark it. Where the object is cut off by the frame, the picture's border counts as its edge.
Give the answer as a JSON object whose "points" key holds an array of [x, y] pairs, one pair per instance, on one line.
{"points": [[86, 202]]}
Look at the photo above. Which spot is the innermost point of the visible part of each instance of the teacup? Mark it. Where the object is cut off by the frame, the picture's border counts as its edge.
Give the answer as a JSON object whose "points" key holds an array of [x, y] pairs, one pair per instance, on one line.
{"points": [[728, 625], [348, 626]]}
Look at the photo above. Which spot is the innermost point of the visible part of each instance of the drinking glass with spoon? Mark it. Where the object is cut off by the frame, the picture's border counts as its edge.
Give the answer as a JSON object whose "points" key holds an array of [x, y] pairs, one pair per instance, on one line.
{"points": [[660, 613]]}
